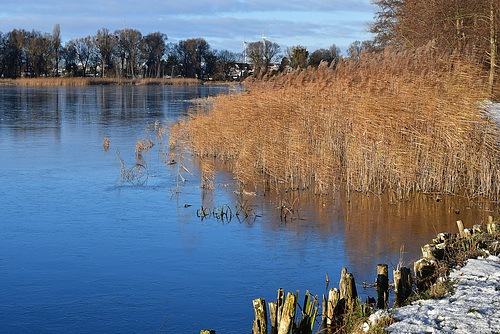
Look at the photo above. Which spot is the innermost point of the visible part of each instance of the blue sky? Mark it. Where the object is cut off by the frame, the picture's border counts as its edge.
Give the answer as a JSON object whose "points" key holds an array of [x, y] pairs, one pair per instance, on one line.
{"points": [[223, 23]]}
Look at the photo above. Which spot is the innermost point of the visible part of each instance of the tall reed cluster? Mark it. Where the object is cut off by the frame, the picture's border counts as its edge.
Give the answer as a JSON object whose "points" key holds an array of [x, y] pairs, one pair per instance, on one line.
{"points": [[395, 121]]}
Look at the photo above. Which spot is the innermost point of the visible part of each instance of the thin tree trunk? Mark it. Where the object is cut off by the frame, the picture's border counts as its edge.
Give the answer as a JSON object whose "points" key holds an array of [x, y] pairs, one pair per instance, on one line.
{"points": [[493, 50]]}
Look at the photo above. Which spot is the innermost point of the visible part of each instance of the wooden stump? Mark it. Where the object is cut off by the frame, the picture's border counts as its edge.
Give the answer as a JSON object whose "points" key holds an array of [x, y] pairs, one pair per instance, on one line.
{"points": [[382, 286], [424, 272], [260, 322], [324, 315], [441, 237], [402, 285], [343, 283], [351, 292], [460, 225], [288, 315], [334, 308], [273, 307], [491, 227], [280, 303], [428, 252]]}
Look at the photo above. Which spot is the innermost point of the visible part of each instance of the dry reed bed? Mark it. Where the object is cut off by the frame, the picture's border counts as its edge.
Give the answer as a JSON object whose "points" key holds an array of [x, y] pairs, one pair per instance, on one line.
{"points": [[398, 122], [86, 81]]}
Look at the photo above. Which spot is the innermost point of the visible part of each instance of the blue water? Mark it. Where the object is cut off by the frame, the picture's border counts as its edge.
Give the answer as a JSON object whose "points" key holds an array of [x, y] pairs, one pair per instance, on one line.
{"points": [[82, 252]]}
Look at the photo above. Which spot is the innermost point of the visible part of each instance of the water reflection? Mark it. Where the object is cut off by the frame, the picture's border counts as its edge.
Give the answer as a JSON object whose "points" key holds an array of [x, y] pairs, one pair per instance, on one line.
{"points": [[38, 109], [371, 229]]}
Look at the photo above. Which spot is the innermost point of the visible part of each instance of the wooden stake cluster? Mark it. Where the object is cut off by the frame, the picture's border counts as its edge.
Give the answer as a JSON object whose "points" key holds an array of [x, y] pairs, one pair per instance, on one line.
{"points": [[282, 313], [340, 301]]}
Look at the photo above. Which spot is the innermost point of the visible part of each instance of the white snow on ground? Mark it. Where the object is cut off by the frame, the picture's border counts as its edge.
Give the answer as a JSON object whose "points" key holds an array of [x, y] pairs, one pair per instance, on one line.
{"points": [[474, 307]]}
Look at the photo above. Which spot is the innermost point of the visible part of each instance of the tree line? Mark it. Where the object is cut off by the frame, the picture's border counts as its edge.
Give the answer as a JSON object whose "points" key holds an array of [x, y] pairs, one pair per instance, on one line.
{"points": [[122, 53], [128, 53]]}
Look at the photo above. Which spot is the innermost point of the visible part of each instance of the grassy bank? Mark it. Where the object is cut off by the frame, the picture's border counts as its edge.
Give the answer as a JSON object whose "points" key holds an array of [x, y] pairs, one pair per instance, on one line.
{"points": [[398, 122], [86, 81]]}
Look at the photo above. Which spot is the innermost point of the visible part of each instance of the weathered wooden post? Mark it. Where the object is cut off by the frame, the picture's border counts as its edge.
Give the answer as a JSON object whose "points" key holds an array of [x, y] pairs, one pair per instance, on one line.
{"points": [[441, 237], [460, 225], [491, 227], [334, 309], [280, 303], [397, 282], [406, 282], [260, 322], [351, 292], [324, 315], [288, 315], [428, 252], [402, 285], [343, 283], [273, 306], [424, 269], [382, 286]]}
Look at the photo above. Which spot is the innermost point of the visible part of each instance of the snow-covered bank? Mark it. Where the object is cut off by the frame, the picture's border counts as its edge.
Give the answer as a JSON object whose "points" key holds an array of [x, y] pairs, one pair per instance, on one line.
{"points": [[474, 307]]}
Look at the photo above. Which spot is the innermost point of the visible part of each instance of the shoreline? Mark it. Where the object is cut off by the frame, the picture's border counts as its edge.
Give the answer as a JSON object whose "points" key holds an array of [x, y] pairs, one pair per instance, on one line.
{"points": [[453, 288], [472, 306], [92, 81]]}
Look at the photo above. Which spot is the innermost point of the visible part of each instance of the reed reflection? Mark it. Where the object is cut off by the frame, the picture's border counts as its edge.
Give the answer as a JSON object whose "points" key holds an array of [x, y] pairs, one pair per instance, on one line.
{"points": [[377, 230]]}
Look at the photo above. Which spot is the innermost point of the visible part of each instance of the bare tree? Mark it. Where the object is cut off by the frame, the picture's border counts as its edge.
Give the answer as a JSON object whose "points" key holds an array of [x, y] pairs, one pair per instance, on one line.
{"points": [[192, 54], [225, 61], [262, 53], [154, 48], [84, 49], [354, 50], [387, 23], [105, 43], [129, 45], [68, 55]]}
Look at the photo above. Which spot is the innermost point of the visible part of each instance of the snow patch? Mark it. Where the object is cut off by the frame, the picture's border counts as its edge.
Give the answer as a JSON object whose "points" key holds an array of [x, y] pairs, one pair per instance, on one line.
{"points": [[473, 308]]}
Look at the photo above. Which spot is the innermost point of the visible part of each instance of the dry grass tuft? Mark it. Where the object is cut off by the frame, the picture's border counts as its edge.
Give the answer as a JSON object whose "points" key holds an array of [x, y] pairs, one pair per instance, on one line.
{"points": [[142, 145], [137, 175], [397, 121], [105, 144]]}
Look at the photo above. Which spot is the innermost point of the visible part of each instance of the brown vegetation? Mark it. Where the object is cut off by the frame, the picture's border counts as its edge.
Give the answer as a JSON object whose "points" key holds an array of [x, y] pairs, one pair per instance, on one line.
{"points": [[86, 81], [466, 27], [393, 121]]}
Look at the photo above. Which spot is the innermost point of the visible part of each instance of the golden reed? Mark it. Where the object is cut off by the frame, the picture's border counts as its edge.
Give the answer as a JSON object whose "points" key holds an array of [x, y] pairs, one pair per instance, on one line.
{"points": [[397, 121]]}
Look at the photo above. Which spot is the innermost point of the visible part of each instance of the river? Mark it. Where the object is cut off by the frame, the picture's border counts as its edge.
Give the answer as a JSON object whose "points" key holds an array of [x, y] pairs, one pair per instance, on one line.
{"points": [[83, 252]]}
